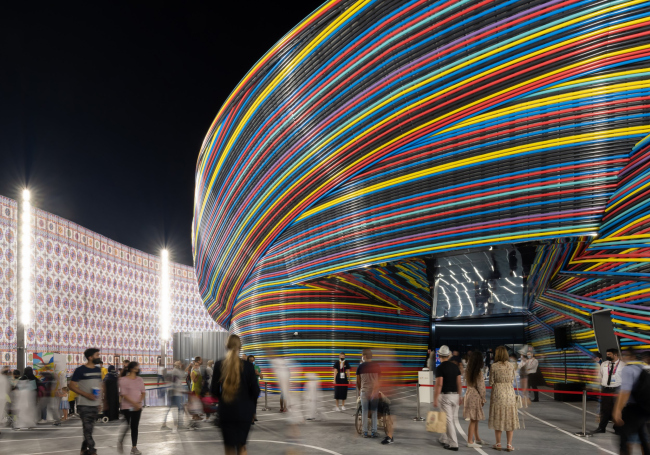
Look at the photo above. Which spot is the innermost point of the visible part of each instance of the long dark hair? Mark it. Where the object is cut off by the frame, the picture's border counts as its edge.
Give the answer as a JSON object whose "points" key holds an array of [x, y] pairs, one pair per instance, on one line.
{"points": [[128, 368], [474, 367], [28, 375]]}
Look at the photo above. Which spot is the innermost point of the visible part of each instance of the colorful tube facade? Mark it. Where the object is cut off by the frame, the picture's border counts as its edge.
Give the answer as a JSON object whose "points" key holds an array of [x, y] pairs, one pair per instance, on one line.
{"points": [[377, 132], [611, 272]]}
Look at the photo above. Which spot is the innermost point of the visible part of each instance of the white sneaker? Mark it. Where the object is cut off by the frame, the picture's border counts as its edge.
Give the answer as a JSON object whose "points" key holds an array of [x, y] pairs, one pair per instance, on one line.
{"points": [[343, 408], [474, 445], [336, 408]]}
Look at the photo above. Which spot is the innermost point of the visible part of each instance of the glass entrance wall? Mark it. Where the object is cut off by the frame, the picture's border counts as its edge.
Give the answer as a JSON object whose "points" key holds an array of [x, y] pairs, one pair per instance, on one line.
{"points": [[480, 283]]}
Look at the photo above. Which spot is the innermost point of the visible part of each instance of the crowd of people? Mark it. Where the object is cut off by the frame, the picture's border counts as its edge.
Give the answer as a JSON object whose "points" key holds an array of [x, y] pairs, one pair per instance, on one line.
{"points": [[234, 383]]}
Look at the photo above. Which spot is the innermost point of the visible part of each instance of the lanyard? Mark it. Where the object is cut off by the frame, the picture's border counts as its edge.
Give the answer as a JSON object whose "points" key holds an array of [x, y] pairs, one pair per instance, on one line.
{"points": [[613, 372]]}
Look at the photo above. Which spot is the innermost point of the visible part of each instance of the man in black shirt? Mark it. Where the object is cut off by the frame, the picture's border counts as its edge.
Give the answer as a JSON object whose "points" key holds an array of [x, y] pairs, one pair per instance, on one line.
{"points": [[448, 385]]}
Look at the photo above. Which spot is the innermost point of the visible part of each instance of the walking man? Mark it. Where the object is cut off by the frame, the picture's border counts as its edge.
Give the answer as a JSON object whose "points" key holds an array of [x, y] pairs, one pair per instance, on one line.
{"points": [[609, 375], [368, 375], [87, 384], [448, 385], [631, 412]]}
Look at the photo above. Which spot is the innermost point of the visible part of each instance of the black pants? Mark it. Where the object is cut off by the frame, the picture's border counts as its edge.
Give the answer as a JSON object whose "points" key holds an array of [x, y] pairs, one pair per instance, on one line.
{"points": [[634, 422], [606, 407], [88, 416], [72, 403], [132, 421]]}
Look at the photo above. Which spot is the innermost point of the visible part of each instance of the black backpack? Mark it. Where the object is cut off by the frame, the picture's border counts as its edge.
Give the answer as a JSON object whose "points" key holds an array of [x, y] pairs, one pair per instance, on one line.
{"points": [[641, 390]]}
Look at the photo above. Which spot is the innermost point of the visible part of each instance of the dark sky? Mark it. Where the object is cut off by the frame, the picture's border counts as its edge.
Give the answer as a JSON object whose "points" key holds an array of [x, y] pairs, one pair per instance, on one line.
{"points": [[104, 105]]}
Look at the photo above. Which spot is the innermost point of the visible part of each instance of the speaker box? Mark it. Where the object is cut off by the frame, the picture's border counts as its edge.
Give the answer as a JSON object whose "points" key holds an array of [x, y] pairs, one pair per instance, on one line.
{"points": [[569, 387], [561, 337]]}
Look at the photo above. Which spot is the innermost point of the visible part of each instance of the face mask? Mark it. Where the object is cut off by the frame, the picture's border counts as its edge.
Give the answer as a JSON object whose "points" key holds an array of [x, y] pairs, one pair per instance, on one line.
{"points": [[97, 361], [529, 356], [609, 358], [342, 359]]}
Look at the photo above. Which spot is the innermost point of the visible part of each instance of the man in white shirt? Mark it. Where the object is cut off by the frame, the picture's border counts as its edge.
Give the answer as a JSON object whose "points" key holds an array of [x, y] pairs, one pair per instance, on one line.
{"points": [[609, 376]]}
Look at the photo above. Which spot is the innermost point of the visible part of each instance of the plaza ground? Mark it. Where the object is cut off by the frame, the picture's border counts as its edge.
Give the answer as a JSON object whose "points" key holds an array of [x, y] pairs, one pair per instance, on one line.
{"points": [[549, 426]]}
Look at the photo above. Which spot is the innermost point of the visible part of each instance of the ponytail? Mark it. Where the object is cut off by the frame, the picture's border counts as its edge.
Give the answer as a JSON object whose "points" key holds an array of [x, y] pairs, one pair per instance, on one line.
{"points": [[231, 369]]}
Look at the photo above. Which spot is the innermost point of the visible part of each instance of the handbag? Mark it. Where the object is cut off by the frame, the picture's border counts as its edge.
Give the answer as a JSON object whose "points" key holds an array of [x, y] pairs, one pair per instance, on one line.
{"points": [[437, 422], [519, 401]]}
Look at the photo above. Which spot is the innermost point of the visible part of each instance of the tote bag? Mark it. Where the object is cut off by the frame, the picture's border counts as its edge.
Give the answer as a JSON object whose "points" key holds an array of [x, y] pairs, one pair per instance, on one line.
{"points": [[437, 422]]}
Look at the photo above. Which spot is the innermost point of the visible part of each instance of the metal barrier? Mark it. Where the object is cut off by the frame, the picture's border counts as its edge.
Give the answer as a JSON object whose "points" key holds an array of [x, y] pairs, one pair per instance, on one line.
{"points": [[417, 417], [584, 433]]}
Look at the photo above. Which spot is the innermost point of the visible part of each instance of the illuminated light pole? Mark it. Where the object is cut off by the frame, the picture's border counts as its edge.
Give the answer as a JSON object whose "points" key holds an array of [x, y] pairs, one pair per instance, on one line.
{"points": [[165, 310], [25, 270]]}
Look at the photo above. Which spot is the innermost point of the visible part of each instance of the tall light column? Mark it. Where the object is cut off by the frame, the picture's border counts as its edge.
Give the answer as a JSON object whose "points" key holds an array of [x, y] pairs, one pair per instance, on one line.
{"points": [[165, 309], [25, 272]]}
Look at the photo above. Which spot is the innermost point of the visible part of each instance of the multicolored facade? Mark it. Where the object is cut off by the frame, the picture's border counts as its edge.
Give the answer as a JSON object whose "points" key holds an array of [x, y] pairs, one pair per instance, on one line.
{"points": [[611, 272], [377, 132], [89, 291]]}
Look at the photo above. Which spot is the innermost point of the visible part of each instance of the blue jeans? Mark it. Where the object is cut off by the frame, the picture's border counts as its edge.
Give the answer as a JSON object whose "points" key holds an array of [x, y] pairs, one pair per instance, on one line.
{"points": [[368, 403]]}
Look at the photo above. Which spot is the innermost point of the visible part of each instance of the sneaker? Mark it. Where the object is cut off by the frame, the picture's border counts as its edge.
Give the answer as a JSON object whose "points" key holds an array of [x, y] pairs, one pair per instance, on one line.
{"points": [[343, 408], [165, 427], [135, 451], [336, 408], [474, 445], [365, 434], [387, 440], [374, 435], [448, 447]]}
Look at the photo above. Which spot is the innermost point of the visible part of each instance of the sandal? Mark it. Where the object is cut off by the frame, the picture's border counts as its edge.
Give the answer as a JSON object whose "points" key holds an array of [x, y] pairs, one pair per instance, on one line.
{"points": [[509, 448], [497, 446]]}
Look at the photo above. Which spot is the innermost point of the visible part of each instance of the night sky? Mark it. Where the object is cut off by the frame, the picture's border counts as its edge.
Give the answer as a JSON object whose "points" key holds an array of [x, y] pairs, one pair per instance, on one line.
{"points": [[103, 106]]}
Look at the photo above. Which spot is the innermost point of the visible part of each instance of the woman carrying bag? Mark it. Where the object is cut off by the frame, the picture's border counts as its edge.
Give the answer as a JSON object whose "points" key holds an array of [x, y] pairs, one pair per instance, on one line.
{"points": [[474, 398]]}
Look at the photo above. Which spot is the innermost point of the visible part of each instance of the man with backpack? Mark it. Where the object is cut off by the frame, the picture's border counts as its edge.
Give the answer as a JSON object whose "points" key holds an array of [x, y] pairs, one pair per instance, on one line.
{"points": [[632, 409]]}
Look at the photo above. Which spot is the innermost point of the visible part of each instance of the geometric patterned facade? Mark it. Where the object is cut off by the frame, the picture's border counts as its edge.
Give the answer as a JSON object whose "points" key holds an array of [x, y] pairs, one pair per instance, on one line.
{"points": [[89, 291]]}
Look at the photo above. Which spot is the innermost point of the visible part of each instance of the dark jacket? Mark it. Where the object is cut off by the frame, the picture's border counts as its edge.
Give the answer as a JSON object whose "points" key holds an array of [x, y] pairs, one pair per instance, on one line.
{"points": [[242, 408]]}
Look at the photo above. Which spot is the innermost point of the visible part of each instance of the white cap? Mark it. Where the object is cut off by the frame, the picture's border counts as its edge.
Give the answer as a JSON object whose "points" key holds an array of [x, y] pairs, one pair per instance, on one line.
{"points": [[444, 351]]}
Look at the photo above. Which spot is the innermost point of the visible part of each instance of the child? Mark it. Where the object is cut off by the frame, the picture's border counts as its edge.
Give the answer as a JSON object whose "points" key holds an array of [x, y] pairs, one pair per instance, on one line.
{"points": [[65, 405]]}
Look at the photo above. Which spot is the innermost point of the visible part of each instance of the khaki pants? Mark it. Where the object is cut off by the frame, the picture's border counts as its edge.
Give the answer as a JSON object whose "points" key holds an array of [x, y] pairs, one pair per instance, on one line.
{"points": [[449, 405]]}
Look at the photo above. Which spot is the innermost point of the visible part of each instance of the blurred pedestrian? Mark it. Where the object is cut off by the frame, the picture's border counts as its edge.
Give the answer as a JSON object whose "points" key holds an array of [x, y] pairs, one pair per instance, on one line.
{"points": [[311, 397], [132, 392], [631, 412], [531, 370], [448, 385], [25, 400], [160, 379], [282, 370], [610, 375], [5, 390], [599, 358], [49, 401], [197, 377], [15, 379], [503, 401], [72, 401], [237, 389], [176, 396], [111, 395], [341, 381], [258, 375], [474, 398], [87, 384], [368, 377], [209, 370]]}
